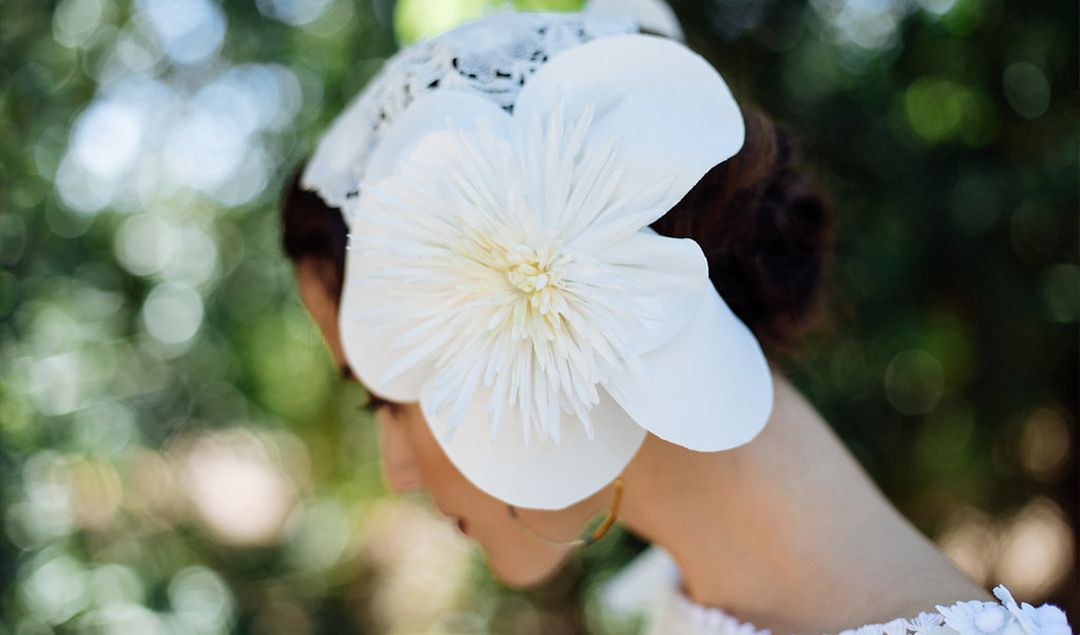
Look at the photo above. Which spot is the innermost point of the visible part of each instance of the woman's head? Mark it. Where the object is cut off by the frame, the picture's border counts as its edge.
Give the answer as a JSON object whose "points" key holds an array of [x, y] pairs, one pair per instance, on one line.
{"points": [[499, 271]]}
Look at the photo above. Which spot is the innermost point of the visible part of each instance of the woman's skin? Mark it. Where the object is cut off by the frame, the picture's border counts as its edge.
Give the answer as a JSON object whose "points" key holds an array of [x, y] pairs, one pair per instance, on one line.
{"points": [[786, 532]]}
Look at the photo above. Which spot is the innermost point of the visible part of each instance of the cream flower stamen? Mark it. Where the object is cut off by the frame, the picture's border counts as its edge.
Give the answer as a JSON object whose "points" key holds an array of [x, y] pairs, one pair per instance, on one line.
{"points": [[538, 276]]}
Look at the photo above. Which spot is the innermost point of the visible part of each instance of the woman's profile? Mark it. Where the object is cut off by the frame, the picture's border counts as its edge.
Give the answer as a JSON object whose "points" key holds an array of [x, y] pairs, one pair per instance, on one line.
{"points": [[558, 255]]}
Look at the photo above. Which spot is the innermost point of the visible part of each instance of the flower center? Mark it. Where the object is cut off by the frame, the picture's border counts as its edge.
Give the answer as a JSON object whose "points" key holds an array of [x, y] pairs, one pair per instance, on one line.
{"points": [[534, 270], [538, 273]]}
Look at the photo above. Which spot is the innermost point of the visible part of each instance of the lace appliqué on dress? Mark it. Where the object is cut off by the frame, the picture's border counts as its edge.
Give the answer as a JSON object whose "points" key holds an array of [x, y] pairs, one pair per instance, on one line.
{"points": [[494, 59], [962, 618], [1007, 618]]}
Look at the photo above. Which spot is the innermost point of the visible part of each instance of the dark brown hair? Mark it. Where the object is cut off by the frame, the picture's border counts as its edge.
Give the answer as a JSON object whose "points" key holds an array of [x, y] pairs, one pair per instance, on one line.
{"points": [[763, 225], [766, 229], [313, 232]]}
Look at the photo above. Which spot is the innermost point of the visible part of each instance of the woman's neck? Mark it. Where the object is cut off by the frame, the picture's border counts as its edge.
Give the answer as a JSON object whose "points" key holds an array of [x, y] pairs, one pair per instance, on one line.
{"points": [[787, 531]]}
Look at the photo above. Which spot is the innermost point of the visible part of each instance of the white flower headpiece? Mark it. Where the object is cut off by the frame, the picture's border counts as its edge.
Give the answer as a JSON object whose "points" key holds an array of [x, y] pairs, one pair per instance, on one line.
{"points": [[501, 270]]}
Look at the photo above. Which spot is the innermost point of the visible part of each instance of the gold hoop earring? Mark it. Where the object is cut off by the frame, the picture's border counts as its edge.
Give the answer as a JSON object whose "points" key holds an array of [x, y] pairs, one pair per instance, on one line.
{"points": [[578, 543]]}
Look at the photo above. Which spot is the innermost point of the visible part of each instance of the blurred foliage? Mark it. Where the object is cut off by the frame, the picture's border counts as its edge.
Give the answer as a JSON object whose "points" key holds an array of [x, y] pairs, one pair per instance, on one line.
{"points": [[178, 455]]}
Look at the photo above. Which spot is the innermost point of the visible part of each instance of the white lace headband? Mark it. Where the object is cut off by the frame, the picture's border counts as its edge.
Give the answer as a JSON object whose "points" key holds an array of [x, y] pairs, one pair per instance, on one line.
{"points": [[501, 270], [480, 57], [486, 57]]}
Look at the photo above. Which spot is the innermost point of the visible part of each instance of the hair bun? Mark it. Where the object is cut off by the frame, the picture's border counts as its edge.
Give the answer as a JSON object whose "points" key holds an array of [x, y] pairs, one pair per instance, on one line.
{"points": [[765, 229]]}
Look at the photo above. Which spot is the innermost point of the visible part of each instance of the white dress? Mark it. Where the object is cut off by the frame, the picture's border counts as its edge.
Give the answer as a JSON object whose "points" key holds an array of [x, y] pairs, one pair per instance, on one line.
{"points": [[652, 580]]}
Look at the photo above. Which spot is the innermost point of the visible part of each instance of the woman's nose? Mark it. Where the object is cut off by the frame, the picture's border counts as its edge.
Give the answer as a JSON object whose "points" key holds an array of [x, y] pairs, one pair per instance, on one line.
{"points": [[399, 462]]}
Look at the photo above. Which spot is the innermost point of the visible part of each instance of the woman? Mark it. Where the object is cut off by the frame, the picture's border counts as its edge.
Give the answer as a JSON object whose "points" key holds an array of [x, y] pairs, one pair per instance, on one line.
{"points": [[567, 249]]}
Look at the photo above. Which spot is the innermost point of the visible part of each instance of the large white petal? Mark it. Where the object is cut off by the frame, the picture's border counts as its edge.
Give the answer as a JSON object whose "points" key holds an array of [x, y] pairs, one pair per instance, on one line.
{"points": [[708, 389], [673, 275], [369, 350], [544, 475], [436, 111], [673, 114]]}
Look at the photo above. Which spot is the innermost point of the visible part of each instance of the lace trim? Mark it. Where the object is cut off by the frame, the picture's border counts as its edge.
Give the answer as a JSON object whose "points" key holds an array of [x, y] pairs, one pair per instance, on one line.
{"points": [[493, 57], [966, 618]]}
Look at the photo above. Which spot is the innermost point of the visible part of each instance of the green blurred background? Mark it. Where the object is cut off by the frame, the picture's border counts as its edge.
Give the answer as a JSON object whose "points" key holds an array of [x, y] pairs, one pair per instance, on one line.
{"points": [[179, 456]]}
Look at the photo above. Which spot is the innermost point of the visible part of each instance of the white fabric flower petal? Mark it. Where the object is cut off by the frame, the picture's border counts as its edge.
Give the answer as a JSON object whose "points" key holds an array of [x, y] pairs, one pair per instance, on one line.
{"points": [[671, 111], [541, 474], [432, 113], [368, 348], [369, 321], [708, 389], [672, 293]]}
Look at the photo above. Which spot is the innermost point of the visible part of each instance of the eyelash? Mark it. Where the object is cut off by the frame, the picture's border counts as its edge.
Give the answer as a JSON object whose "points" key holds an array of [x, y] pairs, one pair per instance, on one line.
{"points": [[375, 404]]}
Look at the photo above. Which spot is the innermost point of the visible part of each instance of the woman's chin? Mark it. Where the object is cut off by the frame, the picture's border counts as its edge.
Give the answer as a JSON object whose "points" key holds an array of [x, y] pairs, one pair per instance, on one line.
{"points": [[524, 575]]}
